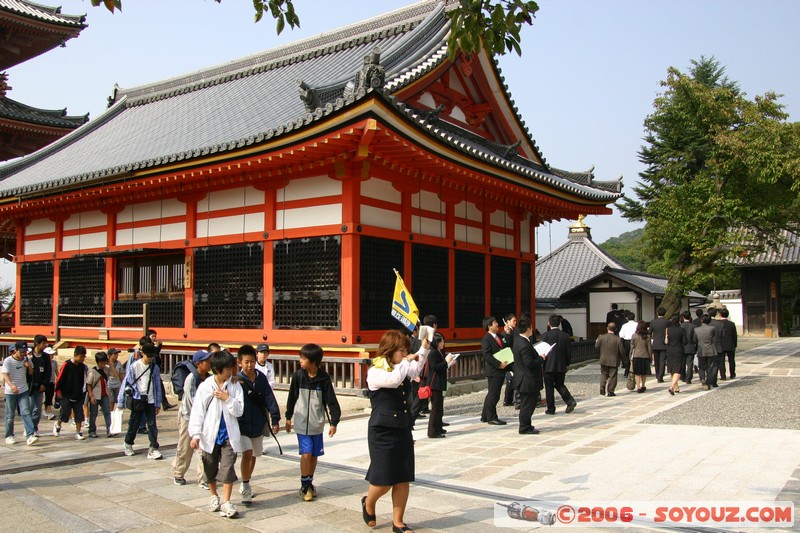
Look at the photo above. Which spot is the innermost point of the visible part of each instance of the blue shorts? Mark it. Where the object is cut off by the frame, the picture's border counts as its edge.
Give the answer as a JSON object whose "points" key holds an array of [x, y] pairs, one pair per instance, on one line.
{"points": [[310, 444]]}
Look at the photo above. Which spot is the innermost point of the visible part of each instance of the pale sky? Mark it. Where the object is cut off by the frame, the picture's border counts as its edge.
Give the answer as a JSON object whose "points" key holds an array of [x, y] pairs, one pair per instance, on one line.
{"points": [[587, 78]]}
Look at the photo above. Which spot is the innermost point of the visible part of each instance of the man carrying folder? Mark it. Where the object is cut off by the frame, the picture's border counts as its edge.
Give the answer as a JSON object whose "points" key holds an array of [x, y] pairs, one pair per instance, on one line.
{"points": [[493, 369]]}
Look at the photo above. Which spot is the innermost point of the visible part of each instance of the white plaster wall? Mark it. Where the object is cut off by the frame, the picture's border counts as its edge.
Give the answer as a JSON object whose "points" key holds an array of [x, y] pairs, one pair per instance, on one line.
{"points": [[39, 226], [86, 241], [42, 246], [427, 99], [301, 189], [576, 317], [304, 217], [458, 114], [382, 218], [381, 190], [501, 240], [600, 303], [231, 225], [428, 226], [152, 211], [91, 219], [429, 201], [525, 234], [468, 234], [230, 199], [468, 211], [736, 315]]}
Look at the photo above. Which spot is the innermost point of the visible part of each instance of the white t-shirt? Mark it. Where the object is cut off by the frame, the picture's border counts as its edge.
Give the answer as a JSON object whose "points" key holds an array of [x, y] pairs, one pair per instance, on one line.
{"points": [[16, 372], [268, 370], [627, 330]]}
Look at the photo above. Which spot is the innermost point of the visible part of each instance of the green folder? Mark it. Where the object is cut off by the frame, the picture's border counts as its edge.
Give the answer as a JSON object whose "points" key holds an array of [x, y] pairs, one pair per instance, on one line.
{"points": [[505, 356]]}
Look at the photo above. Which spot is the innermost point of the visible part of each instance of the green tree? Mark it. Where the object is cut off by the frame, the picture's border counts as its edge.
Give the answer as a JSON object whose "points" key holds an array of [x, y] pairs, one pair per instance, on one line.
{"points": [[721, 179], [495, 25], [629, 250]]}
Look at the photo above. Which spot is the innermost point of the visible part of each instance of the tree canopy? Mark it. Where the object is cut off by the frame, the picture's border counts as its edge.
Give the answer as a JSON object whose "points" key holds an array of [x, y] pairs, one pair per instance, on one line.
{"points": [[476, 24], [722, 176]]}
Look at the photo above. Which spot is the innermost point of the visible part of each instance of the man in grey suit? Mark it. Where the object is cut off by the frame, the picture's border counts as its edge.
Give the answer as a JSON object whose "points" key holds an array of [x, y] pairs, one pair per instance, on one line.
{"points": [[658, 332], [716, 323], [611, 352], [706, 354]]}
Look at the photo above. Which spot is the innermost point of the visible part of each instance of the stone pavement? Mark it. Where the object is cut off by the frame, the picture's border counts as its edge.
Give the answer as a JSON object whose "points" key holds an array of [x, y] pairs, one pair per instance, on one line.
{"points": [[649, 447]]}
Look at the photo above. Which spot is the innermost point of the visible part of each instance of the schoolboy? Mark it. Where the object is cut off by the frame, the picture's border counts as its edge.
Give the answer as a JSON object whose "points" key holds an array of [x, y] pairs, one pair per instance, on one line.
{"points": [[97, 394], [115, 375], [264, 366], [258, 399], [15, 370], [183, 455], [214, 428], [41, 377], [50, 390], [309, 409], [141, 383], [70, 386]]}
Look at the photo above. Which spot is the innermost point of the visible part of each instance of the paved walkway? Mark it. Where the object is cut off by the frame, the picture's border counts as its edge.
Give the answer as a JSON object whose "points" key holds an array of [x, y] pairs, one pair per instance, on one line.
{"points": [[71, 486]]}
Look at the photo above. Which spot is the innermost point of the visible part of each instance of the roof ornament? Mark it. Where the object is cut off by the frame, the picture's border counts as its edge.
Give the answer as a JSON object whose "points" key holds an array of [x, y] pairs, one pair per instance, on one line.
{"points": [[371, 76], [308, 95], [432, 116], [511, 150]]}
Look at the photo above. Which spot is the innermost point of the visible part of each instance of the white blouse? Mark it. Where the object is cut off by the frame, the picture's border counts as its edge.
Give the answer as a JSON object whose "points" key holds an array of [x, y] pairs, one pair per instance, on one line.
{"points": [[378, 378]]}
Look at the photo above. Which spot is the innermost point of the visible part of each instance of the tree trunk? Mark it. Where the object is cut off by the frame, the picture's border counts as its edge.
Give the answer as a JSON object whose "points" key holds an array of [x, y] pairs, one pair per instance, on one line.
{"points": [[672, 300]]}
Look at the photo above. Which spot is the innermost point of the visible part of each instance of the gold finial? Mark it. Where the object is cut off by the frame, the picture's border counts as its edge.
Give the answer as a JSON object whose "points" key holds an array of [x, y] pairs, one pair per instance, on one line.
{"points": [[579, 223]]}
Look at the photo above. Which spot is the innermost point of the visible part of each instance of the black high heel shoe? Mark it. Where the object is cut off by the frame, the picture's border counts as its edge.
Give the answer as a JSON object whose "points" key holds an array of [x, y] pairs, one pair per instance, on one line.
{"points": [[365, 515], [403, 529]]}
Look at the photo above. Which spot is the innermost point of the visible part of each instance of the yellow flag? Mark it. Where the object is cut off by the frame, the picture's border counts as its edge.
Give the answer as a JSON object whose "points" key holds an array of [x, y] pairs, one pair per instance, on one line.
{"points": [[403, 307]]}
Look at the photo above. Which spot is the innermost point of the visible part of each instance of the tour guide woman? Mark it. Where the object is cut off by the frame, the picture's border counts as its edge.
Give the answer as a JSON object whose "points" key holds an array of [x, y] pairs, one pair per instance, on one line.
{"points": [[391, 446]]}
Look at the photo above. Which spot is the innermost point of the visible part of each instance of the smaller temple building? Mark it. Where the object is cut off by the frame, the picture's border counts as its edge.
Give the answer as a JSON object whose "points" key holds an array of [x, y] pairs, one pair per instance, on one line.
{"points": [[28, 30]]}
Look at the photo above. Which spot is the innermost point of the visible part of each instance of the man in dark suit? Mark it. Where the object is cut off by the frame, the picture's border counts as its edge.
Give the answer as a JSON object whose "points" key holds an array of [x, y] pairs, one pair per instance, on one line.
{"points": [[658, 332], [730, 338], [555, 366], [566, 327], [706, 354], [699, 320], [613, 316], [527, 376], [611, 351], [716, 323], [493, 369]]}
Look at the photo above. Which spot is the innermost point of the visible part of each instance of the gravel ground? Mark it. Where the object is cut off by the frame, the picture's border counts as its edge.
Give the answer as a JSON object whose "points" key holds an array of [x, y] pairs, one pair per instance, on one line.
{"points": [[750, 402]]}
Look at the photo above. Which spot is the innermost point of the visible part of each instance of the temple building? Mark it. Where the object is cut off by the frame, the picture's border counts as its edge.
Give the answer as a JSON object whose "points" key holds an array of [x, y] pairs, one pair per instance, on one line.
{"points": [[26, 31], [269, 198]]}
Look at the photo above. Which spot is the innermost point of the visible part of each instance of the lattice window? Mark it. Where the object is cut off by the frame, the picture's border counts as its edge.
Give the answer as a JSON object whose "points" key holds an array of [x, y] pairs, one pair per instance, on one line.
{"points": [[378, 258], [229, 286], [161, 313], [36, 294], [525, 287], [82, 287], [430, 272], [504, 287], [307, 283], [151, 278], [470, 289]]}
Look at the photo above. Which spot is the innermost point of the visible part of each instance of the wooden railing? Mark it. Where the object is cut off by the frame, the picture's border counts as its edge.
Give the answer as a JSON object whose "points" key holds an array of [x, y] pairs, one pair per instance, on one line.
{"points": [[102, 331]]}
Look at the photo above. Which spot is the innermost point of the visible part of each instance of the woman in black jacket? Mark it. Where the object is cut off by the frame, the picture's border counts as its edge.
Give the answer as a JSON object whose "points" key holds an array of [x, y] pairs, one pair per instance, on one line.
{"points": [[437, 379]]}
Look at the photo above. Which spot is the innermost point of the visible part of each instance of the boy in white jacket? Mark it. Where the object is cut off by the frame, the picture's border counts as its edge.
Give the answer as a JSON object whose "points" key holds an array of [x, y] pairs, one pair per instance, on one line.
{"points": [[214, 428]]}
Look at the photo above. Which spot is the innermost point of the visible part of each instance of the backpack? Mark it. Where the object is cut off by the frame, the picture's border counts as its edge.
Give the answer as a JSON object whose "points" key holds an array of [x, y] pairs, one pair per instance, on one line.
{"points": [[179, 374]]}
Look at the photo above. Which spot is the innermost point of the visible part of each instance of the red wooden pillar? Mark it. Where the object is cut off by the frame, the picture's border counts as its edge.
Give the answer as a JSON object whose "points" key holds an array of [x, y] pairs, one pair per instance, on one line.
{"points": [[351, 176], [190, 199]]}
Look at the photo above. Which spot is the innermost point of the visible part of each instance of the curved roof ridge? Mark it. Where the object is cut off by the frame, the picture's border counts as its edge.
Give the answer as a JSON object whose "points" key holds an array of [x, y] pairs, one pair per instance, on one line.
{"points": [[43, 13], [58, 118], [399, 20]]}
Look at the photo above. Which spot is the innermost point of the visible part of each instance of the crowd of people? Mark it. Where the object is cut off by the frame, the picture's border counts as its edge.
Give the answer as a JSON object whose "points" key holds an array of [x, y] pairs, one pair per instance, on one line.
{"points": [[227, 405]]}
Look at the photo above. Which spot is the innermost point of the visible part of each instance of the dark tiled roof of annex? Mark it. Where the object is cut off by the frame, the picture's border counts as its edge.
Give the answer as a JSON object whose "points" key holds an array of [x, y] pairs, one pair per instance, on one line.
{"points": [[56, 118], [785, 253], [254, 99], [571, 264]]}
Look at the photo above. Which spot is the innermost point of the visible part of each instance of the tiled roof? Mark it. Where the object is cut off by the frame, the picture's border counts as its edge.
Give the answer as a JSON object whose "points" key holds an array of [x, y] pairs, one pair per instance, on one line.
{"points": [[649, 283], [43, 13], [787, 253], [255, 99], [570, 265], [56, 118]]}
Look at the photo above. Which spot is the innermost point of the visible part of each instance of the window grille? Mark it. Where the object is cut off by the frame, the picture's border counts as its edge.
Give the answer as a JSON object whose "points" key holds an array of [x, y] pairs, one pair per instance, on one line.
{"points": [[504, 287], [36, 294], [430, 281], [82, 287], [307, 283], [378, 258], [470, 289]]}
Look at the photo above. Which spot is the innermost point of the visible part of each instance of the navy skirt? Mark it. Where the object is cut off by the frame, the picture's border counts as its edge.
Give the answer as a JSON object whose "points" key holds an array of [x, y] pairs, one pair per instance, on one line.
{"points": [[391, 455]]}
